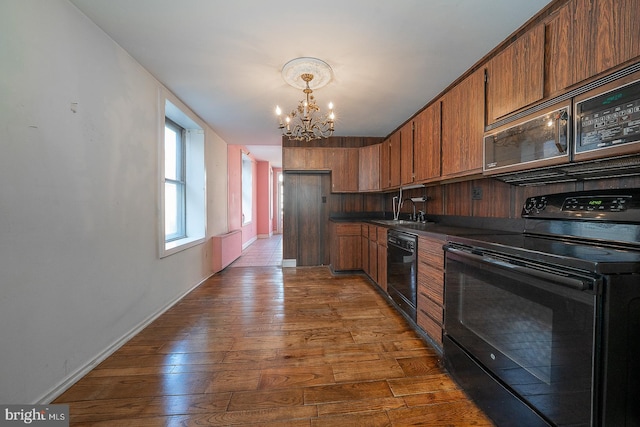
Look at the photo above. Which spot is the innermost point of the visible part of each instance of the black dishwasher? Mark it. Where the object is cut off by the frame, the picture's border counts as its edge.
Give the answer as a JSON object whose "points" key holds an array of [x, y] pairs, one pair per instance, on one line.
{"points": [[401, 271]]}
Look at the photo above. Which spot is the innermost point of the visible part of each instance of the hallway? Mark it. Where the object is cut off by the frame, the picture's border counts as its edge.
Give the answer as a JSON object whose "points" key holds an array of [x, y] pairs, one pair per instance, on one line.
{"points": [[274, 347], [261, 253]]}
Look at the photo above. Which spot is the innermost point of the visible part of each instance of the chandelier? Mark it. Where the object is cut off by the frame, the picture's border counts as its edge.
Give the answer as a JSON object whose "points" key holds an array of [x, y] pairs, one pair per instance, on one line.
{"points": [[305, 122]]}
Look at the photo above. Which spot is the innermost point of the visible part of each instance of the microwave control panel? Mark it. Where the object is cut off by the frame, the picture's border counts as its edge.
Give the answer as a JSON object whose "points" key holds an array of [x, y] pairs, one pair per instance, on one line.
{"points": [[609, 119]]}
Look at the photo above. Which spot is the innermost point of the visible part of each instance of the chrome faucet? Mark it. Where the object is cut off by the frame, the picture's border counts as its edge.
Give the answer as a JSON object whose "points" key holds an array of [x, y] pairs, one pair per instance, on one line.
{"points": [[413, 216]]}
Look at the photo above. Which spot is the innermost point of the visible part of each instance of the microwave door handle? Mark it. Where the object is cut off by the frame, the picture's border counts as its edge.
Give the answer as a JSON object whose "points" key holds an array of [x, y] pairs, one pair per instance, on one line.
{"points": [[559, 118]]}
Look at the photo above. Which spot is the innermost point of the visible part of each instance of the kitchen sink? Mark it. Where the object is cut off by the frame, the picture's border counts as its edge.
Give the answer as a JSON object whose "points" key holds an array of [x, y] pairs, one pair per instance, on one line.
{"points": [[398, 222]]}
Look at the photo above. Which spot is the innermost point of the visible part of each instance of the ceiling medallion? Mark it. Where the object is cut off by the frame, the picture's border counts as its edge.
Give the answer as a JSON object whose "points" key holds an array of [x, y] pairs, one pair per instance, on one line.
{"points": [[305, 123]]}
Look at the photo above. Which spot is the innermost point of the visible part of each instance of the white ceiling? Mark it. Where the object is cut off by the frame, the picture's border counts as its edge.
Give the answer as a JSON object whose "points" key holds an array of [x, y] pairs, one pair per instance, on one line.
{"points": [[224, 58]]}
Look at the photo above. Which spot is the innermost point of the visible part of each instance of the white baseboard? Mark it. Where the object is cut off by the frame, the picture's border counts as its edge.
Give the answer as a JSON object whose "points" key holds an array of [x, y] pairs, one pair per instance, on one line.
{"points": [[75, 376]]}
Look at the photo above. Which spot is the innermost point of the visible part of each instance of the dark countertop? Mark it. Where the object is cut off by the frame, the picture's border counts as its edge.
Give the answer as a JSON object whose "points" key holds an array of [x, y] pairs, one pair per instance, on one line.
{"points": [[443, 226]]}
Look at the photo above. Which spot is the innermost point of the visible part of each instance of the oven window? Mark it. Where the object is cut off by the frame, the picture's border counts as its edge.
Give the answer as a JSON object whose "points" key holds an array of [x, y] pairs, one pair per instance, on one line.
{"points": [[518, 328]]}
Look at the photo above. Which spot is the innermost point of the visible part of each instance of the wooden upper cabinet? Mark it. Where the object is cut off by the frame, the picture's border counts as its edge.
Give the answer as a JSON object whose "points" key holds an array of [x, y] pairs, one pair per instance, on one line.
{"points": [[293, 158], [394, 160], [406, 154], [558, 55], [515, 77], [369, 170], [426, 143], [303, 158], [463, 127], [344, 163], [385, 163], [606, 33]]}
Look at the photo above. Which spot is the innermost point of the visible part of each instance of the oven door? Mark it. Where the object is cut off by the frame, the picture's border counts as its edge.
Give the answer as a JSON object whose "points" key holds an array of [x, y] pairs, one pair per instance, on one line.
{"points": [[530, 327], [401, 271]]}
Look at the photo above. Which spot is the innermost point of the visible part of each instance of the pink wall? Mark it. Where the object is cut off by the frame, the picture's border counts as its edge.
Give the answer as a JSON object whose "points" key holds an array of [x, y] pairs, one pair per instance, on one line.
{"points": [[261, 223], [264, 199], [275, 187], [234, 180]]}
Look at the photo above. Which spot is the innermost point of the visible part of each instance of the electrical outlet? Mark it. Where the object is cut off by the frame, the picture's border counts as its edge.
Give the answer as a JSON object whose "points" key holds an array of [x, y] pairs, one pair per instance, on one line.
{"points": [[476, 193]]}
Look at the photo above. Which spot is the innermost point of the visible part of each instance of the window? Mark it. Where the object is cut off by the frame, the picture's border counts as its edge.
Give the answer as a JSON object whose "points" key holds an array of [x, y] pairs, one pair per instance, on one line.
{"points": [[174, 182], [247, 189], [182, 175]]}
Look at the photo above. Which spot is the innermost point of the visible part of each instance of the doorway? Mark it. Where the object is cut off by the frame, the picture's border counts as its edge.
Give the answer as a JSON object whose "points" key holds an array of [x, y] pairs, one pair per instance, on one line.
{"points": [[306, 222]]}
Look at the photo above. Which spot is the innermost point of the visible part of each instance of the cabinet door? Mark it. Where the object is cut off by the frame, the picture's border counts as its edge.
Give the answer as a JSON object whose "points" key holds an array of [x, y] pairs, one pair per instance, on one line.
{"points": [[606, 34], [394, 160], [406, 153], [426, 143], [369, 170], [364, 249], [373, 261], [515, 77], [385, 164], [296, 158], [463, 127], [382, 267], [558, 54], [293, 158], [346, 251], [344, 170], [382, 257]]}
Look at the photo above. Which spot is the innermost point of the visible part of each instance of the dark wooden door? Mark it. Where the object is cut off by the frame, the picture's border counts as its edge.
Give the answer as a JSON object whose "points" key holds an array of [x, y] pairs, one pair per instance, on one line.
{"points": [[306, 218]]}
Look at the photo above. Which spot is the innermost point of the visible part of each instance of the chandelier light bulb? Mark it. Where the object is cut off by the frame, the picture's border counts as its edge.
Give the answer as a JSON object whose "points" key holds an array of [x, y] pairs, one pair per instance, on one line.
{"points": [[278, 110]]}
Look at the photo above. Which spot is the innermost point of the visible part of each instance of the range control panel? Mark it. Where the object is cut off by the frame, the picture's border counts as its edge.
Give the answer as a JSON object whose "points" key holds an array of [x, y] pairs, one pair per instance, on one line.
{"points": [[601, 204], [611, 205]]}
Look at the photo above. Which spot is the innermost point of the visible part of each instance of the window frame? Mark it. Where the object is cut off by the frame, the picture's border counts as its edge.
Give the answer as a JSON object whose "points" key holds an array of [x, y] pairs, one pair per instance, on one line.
{"points": [[247, 189], [179, 182], [194, 166]]}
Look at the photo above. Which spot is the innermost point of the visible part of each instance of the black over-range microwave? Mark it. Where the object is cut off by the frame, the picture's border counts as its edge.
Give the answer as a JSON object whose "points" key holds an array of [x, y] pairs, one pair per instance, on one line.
{"points": [[593, 124], [539, 139]]}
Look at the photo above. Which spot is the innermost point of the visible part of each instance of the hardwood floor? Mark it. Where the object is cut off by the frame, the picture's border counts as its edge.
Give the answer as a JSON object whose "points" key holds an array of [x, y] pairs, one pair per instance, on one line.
{"points": [[274, 347]]}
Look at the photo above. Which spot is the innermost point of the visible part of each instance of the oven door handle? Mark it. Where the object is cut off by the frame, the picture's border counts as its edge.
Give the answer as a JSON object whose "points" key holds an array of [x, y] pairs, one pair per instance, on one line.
{"points": [[554, 275]]}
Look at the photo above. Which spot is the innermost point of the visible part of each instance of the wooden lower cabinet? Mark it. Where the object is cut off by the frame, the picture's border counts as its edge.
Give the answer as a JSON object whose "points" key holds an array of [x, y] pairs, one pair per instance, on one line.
{"points": [[382, 257], [430, 304], [364, 247], [346, 251], [374, 253]]}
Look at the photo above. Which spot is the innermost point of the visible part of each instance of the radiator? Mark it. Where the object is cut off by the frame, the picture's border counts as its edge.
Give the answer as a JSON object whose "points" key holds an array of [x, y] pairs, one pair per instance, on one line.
{"points": [[226, 249]]}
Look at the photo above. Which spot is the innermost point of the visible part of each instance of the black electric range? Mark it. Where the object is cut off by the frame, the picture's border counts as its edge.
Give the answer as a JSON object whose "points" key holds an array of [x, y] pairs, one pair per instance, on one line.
{"points": [[542, 326]]}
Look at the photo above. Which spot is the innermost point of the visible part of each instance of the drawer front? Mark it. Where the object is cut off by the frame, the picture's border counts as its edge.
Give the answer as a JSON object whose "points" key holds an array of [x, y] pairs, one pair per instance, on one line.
{"points": [[431, 308], [432, 289], [430, 274], [430, 252], [348, 229], [430, 326]]}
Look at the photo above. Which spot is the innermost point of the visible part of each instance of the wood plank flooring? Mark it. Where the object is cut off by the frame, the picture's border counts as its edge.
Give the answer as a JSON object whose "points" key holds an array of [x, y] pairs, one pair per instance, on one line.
{"points": [[274, 347]]}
